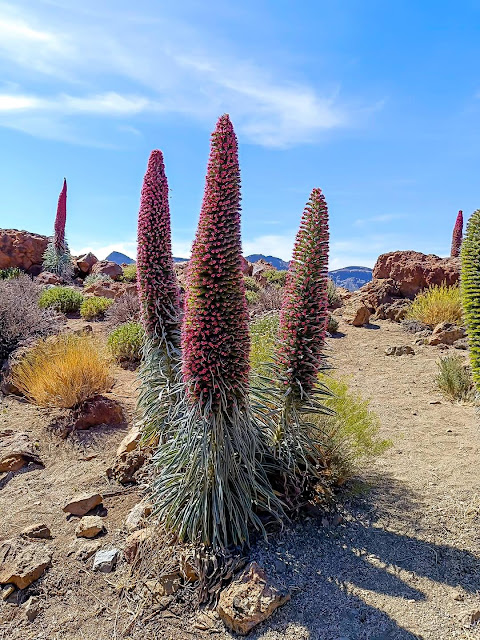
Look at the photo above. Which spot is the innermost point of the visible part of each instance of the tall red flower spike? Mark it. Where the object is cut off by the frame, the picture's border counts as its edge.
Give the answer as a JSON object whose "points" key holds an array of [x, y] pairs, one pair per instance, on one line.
{"points": [[157, 286], [61, 219], [457, 236], [215, 339], [304, 313]]}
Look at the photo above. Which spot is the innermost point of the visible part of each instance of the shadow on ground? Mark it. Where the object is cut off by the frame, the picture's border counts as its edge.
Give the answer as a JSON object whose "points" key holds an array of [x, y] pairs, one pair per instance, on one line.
{"points": [[325, 565]]}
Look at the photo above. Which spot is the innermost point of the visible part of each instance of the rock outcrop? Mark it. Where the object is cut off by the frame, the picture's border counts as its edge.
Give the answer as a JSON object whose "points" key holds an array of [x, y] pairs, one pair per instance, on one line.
{"points": [[414, 271], [22, 249], [85, 263]]}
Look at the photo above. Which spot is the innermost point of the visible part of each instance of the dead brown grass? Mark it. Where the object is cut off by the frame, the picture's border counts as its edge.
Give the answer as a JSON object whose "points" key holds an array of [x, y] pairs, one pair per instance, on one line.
{"points": [[64, 370]]}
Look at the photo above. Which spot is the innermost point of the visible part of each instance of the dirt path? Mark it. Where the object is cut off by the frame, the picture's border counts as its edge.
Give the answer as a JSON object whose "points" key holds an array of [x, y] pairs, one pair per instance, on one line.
{"points": [[402, 564]]}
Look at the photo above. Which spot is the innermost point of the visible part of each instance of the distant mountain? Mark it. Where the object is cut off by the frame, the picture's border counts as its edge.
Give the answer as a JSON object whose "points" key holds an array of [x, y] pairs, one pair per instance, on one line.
{"points": [[180, 259], [352, 278], [119, 258], [278, 263]]}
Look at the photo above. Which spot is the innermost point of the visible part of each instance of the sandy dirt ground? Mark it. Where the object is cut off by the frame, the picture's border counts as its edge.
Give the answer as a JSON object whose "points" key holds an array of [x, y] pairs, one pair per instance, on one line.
{"points": [[400, 561]]}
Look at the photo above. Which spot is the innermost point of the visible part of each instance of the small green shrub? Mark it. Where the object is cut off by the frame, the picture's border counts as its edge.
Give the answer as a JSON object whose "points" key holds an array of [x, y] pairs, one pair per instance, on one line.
{"points": [[95, 278], [252, 297], [351, 434], [437, 304], [263, 337], [332, 326], [334, 299], [251, 284], [10, 272], [454, 378], [126, 342], [62, 299], [276, 278], [94, 308], [130, 272]]}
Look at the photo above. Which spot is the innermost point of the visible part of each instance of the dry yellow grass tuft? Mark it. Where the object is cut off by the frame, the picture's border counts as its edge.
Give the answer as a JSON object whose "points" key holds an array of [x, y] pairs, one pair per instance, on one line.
{"points": [[437, 304], [63, 371]]}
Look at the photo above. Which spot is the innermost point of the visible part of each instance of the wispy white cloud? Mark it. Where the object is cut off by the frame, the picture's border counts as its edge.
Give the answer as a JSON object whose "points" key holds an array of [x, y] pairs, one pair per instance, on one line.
{"points": [[386, 217], [114, 51]]}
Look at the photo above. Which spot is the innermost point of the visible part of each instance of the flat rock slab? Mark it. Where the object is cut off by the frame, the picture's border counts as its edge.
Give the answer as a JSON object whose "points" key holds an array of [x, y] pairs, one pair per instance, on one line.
{"points": [[22, 562], [16, 450], [249, 600], [82, 503], [37, 531]]}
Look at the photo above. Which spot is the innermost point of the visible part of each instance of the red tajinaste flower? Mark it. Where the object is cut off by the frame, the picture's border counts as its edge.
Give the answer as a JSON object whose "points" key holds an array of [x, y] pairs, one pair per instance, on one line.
{"points": [[457, 235], [157, 285], [215, 339], [304, 314], [60, 220]]}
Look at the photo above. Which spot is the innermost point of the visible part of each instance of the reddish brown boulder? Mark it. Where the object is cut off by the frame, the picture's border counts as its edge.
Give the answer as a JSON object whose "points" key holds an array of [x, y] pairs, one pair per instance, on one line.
{"points": [[48, 278], [22, 249], [98, 410], [378, 292], [85, 263], [261, 266], [113, 290], [355, 311], [246, 266], [414, 271], [107, 268]]}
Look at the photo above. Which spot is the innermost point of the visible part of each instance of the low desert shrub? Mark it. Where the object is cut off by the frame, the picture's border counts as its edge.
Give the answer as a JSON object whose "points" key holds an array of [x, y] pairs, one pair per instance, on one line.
{"points": [[9, 273], [130, 272], [454, 378], [276, 278], [126, 341], [63, 370], [95, 308], [437, 304], [21, 319], [332, 325], [124, 309], [95, 278], [251, 284], [334, 299], [350, 435], [269, 299], [252, 297], [263, 337], [62, 299]]}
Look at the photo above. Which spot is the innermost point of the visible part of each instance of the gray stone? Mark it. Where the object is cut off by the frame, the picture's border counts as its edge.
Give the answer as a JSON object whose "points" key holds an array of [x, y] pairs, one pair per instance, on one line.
{"points": [[105, 560]]}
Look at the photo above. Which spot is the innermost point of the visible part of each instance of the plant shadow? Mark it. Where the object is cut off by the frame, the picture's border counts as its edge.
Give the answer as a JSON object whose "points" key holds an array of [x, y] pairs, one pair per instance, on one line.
{"points": [[326, 567]]}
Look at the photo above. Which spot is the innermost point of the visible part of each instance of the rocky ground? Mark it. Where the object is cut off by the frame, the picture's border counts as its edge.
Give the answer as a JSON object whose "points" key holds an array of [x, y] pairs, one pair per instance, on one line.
{"points": [[399, 561]]}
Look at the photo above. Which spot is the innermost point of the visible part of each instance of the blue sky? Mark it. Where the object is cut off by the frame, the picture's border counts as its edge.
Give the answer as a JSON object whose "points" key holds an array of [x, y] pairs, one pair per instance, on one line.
{"points": [[377, 103]]}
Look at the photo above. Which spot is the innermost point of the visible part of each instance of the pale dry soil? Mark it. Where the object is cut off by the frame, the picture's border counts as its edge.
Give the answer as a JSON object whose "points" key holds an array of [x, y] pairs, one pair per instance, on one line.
{"points": [[402, 561]]}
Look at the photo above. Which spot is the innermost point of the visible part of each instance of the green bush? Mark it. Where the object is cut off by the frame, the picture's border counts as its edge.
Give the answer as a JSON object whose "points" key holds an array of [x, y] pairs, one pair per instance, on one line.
{"points": [[437, 304], [454, 378], [251, 284], [130, 272], [9, 273], [62, 299], [263, 337], [332, 326], [351, 434], [126, 342], [334, 299], [94, 308], [93, 278], [252, 297], [276, 278]]}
